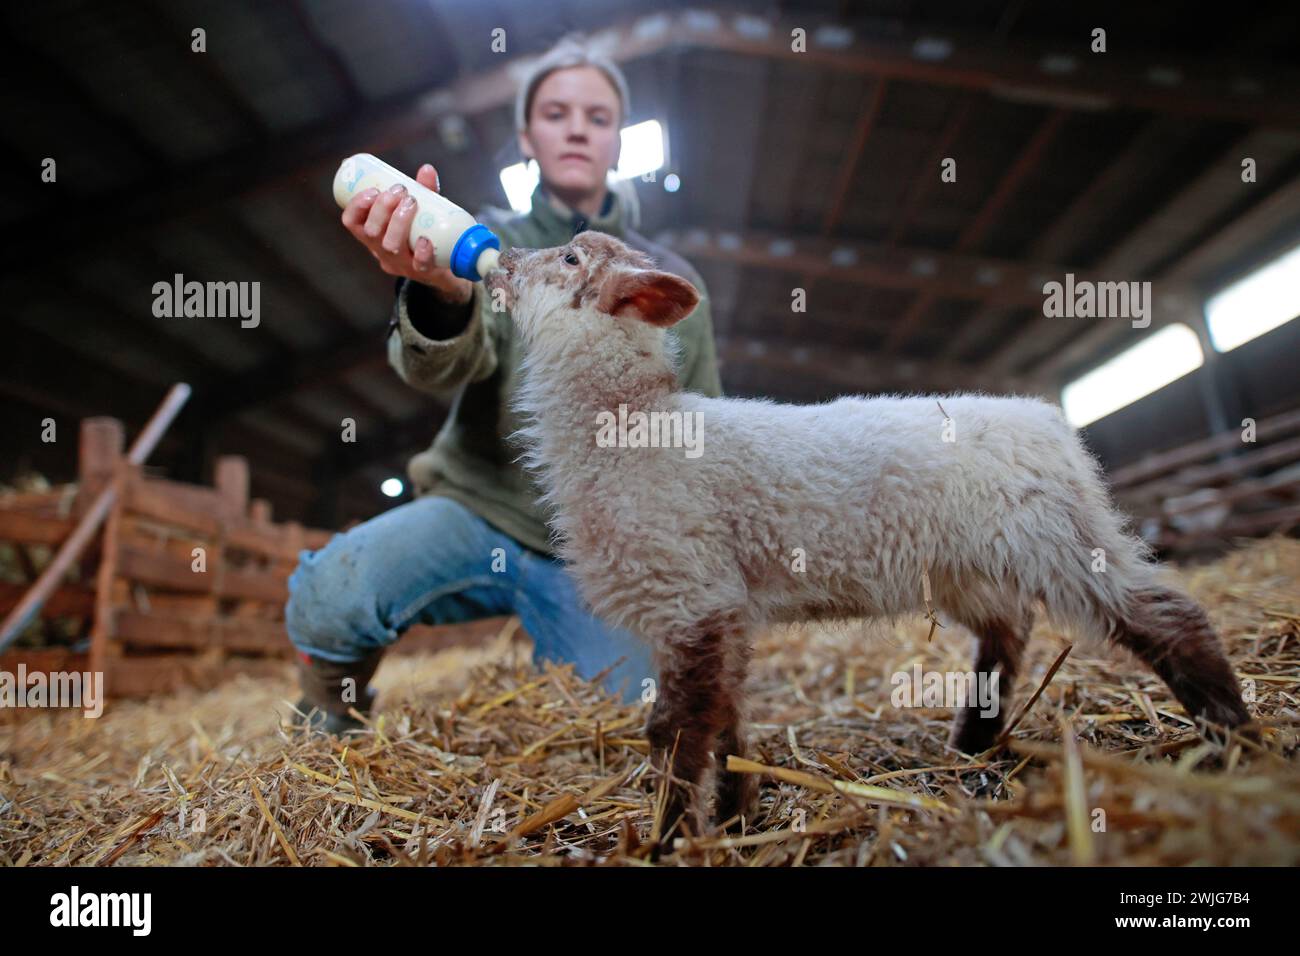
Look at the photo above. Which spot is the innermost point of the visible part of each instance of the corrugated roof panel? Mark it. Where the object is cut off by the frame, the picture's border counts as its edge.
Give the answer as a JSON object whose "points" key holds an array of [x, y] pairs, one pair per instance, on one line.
{"points": [[279, 427], [308, 235], [223, 343], [283, 316], [152, 90], [384, 388], [263, 55], [390, 48]]}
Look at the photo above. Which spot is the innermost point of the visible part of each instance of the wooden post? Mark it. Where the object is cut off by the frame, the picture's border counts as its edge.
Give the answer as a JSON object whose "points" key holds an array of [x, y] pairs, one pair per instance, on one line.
{"points": [[293, 536], [98, 454], [89, 523], [260, 511], [232, 485], [102, 631]]}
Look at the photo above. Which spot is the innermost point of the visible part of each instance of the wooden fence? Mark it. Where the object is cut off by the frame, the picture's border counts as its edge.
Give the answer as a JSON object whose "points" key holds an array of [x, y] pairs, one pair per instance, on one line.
{"points": [[187, 583]]}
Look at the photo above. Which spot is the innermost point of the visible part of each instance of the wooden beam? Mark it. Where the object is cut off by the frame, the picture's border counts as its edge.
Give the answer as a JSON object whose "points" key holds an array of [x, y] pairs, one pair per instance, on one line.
{"points": [[978, 228], [334, 65], [1246, 92], [858, 371], [945, 274], [928, 174], [1204, 199], [853, 156], [1250, 228], [1153, 466], [1060, 243], [289, 371]]}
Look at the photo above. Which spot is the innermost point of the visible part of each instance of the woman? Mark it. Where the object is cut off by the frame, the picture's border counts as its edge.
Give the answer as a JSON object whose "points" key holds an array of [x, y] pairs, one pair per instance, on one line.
{"points": [[474, 543]]}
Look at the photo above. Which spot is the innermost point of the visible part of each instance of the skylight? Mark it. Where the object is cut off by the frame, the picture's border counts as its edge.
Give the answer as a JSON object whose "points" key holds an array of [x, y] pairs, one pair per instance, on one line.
{"points": [[642, 151], [1259, 303], [1153, 363]]}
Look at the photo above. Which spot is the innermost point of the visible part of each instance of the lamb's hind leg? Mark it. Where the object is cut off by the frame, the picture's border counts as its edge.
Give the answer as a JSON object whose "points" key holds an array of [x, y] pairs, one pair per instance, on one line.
{"points": [[690, 709], [999, 647], [1172, 634]]}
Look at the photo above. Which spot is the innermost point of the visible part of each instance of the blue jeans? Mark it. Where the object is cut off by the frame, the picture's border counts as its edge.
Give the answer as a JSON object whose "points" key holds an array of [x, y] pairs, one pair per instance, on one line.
{"points": [[433, 561]]}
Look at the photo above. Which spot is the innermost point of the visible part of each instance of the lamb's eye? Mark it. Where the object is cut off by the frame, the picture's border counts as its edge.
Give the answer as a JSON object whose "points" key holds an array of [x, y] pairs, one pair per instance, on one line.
{"points": [[570, 258]]}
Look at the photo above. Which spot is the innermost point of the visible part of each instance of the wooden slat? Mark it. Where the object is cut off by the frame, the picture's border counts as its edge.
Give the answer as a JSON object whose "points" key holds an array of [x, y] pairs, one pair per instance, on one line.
{"points": [[99, 450], [42, 502], [174, 605], [102, 625], [1264, 523], [1154, 466], [187, 506], [244, 635], [1260, 488], [28, 528], [148, 676], [232, 485], [44, 659], [162, 570], [254, 585], [1270, 456], [259, 539], [68, 601]]}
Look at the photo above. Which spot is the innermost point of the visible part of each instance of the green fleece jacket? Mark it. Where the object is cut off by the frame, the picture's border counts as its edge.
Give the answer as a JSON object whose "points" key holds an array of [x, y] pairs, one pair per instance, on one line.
{"points": [[470, 355]]}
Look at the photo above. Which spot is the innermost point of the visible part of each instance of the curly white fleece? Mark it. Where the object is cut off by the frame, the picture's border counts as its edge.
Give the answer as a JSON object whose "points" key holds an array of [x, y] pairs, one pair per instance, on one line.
{"points": [[825, 511]]}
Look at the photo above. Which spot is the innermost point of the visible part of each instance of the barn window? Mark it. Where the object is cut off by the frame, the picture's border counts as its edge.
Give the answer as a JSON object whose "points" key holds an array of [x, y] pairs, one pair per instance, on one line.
{"points": [[1255, 304], [641, 152], [1153, 363]]}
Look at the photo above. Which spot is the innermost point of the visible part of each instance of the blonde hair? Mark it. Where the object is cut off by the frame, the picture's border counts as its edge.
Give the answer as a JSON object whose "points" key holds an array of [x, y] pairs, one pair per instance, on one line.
{"points": [[571, 51], [574, 50]]}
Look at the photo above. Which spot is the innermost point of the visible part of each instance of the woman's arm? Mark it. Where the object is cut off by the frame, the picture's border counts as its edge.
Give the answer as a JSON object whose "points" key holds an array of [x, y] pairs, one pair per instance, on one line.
{"points": [[443, 335], [440, 345]]}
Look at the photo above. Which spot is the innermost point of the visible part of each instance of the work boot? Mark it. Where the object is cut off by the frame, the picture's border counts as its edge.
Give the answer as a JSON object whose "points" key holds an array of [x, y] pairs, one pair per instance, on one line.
{"points": [[323, 701]]}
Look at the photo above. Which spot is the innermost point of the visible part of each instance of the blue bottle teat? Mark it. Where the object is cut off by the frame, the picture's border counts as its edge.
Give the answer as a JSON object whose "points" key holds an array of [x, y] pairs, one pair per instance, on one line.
{"points": [[464, 256]]}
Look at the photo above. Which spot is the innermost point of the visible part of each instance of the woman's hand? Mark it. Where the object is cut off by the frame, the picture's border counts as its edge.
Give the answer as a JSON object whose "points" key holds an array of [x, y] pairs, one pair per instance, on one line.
{"points": [[382, 223]]}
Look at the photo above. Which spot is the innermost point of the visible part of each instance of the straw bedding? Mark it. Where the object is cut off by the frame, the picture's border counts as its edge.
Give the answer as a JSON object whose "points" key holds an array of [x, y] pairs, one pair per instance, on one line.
{"points": [[477, 758]]}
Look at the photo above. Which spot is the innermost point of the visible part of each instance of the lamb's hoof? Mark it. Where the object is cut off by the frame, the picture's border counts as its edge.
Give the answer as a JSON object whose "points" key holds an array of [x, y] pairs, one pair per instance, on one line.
{"points": [[1221, 729], [733, 825], [973, 734], [737, 798]]}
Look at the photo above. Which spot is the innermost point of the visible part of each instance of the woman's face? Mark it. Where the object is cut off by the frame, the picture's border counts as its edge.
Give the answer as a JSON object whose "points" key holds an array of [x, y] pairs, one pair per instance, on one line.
{"points": [[573, 129]]}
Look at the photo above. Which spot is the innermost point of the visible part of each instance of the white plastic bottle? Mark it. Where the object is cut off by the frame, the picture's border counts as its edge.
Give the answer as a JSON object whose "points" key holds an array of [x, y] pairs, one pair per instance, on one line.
{"points": [[466, 247]]}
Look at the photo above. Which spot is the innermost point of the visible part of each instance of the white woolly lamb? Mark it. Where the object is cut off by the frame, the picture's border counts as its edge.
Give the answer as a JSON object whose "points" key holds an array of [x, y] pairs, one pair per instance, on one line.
{"points": [[995, 499]]}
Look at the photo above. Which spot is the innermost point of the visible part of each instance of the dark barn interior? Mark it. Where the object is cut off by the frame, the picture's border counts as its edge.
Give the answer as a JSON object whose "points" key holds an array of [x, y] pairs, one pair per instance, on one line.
{"points": [[815, 170], [914, 174]]}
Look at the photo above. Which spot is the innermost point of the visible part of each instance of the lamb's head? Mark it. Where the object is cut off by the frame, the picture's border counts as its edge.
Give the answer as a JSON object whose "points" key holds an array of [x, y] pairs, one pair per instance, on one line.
{"points": [[594, 289]]}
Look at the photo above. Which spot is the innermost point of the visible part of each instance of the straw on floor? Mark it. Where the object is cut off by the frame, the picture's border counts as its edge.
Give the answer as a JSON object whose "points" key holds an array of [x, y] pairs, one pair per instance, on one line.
{"points": [[476, 758]]}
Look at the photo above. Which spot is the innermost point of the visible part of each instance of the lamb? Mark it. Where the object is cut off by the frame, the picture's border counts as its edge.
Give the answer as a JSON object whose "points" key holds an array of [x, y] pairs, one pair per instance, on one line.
{"points": [[804, 513]]}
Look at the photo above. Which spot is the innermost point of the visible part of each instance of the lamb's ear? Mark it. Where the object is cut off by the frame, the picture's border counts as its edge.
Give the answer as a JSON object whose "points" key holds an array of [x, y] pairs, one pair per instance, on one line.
{"points": [[659, 298]]}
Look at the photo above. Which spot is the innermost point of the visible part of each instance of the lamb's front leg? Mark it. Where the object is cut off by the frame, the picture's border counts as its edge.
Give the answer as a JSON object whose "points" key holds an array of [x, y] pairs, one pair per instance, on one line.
{"points": [[736, 792], [690, 710]]}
